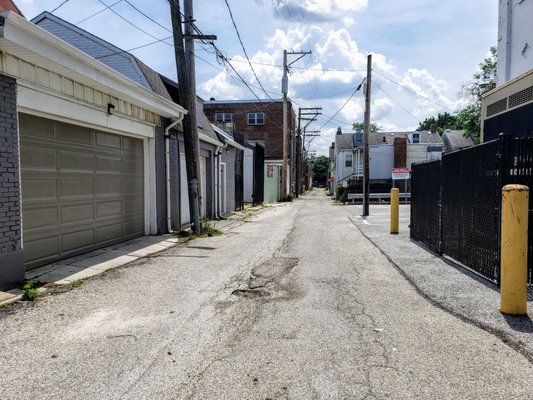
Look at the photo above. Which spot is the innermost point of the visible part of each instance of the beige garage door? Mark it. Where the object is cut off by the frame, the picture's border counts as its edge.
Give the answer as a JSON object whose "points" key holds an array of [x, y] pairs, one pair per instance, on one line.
{"points": [[81, 189]]}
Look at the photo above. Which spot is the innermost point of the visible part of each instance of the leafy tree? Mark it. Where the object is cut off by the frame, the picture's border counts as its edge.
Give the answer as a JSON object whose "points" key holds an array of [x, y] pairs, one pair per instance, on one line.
{"points": [[360, 126], [483, 81], [442, 122], [469, 118], [321, 169]]}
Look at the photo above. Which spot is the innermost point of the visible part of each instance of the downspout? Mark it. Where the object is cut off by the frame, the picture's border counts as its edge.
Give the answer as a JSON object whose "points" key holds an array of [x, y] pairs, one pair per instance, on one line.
{"points": [[173, 123], [216, 180], [219, 162]]}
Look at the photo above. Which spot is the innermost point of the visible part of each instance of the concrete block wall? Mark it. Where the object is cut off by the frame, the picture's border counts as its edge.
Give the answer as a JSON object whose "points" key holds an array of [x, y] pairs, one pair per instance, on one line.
{"points": [[11, 257]]}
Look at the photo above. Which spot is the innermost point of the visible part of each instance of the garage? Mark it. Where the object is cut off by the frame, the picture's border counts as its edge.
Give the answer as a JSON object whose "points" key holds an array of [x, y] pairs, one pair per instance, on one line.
{"points": [[82, 189]]}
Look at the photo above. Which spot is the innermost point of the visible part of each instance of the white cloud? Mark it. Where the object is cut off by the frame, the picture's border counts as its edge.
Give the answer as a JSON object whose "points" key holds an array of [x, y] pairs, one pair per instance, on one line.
{"points": [[312, 11]]}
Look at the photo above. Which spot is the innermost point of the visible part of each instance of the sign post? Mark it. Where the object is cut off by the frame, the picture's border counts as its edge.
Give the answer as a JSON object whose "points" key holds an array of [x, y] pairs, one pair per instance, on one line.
{"points": [[401, 174]]}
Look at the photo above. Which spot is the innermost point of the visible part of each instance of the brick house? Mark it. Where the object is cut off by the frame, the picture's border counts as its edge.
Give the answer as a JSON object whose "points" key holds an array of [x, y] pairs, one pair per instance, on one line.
{"points": [[261, 123]]}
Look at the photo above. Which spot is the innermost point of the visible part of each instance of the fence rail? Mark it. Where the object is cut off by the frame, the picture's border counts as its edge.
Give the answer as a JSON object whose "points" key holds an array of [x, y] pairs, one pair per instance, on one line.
{"points": [[456, 202]]}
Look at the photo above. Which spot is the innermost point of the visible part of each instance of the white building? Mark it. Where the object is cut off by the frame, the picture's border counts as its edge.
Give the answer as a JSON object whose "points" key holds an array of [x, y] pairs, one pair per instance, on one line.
{"points": [[515, 39]]}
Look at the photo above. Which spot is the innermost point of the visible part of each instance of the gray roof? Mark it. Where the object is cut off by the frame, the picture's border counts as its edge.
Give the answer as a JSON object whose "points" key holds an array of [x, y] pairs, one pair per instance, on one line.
{"points": [[108, 54], [377, 138], [344, 141], [455, 140]]}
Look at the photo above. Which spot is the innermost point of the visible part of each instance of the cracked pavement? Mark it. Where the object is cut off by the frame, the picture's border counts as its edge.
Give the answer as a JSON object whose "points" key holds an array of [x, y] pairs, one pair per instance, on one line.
{"points": [[296, 304]]}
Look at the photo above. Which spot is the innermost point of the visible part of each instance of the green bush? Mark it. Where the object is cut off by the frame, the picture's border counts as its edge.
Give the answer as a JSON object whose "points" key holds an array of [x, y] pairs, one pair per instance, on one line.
{"points": [[29, 293]]}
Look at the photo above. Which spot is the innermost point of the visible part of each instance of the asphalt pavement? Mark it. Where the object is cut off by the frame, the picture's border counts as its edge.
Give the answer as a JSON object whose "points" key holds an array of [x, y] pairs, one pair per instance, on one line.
{"points": [[443, 281], [292, 303]]}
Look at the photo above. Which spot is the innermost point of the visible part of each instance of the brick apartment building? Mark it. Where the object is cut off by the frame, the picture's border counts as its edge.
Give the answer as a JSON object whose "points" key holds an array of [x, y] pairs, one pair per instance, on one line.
{"points": [[261, 123]]}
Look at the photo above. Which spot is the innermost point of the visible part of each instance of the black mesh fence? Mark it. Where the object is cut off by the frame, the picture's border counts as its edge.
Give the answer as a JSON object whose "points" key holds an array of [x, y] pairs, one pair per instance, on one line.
{"points": [[517, 167], [470, 208], [467, 225], [425, 204]]}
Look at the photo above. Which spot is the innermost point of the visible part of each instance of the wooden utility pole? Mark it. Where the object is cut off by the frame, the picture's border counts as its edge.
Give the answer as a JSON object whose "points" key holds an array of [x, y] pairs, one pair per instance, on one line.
{"points": [[184, 53], [366, 173], [284, 90]]}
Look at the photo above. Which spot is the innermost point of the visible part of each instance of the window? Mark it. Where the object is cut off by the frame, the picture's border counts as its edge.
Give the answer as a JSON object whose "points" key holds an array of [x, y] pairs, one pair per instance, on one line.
{"points": [[348, 160], [416, 137], [256, 118], [222, 117]]}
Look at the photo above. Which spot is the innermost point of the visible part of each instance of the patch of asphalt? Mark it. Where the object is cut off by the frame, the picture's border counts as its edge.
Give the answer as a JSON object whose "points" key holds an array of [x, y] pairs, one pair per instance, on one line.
{"points": [[448, 285]]}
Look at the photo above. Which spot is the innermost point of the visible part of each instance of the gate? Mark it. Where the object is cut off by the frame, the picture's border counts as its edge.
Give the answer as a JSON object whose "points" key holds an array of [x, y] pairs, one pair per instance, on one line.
{"points": [[456, 203]]}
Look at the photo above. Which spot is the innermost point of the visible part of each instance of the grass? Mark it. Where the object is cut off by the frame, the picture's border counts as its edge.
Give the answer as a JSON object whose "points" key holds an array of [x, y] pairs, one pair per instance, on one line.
{"points": [[76, 283]]}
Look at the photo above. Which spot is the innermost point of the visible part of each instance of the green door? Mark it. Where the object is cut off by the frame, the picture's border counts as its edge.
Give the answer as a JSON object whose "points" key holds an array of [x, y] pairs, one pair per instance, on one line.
{"points": [[81, 189]]}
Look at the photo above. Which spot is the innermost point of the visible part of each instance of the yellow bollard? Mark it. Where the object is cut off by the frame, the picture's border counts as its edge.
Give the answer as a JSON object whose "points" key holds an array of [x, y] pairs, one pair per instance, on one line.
{"points": [[513, 278], [394, 210]]}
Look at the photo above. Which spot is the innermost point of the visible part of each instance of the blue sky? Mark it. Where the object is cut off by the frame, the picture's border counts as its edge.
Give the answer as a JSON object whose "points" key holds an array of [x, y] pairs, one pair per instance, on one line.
{"points": [[423, 50]]}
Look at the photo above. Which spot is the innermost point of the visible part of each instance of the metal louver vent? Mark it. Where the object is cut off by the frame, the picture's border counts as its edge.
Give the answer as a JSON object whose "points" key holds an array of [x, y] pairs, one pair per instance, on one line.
{"points": [[521, 97], [497, 107]]}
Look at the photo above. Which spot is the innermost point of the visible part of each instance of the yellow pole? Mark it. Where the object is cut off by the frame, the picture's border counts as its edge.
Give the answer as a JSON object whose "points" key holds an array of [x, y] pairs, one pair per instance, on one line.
{"points": [[394, 210], [513, 278]]}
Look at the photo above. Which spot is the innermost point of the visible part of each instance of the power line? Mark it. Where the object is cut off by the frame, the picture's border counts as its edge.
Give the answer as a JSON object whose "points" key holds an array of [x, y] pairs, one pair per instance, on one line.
{"points": [[344, 105], [134, 48], [132, 24], [98, 12], [59, 6], [405, 109], [412, 91], [147, 16], [244, 49]]}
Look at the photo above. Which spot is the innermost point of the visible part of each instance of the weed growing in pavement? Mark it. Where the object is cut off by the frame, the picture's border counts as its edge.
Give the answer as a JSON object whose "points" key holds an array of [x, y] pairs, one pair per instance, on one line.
{"points": [[29, 293], [208, 228], [6, 306], [76, 283]]}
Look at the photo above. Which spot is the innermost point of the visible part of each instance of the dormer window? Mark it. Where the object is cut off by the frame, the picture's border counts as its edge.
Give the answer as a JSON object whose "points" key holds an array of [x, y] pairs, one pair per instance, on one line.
{"points": [[416, 137]]}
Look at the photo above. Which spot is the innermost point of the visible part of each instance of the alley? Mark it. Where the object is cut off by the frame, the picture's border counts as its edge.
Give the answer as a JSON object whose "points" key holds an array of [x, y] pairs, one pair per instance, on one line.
{"points": [[294, 304]]}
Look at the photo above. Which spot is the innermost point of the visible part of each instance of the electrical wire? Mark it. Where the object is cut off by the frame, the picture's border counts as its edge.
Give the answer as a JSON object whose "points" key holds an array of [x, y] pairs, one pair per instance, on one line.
{"points": [[244, 50], [344, 105], [135, 26], [132, 49], [98, 12], [59, 6], [402, 107], [147, 16], [412, 91]]}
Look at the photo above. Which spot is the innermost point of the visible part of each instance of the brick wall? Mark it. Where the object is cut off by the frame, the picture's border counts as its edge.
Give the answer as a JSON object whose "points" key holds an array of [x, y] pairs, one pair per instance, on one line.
{"points": [[11, 258], [271, 131]]}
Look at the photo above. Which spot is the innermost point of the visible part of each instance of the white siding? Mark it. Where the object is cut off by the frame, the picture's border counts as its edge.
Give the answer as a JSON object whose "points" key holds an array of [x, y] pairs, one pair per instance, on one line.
{"points": [[515, 41], [248, 175], [381, 161], [418, 153]]}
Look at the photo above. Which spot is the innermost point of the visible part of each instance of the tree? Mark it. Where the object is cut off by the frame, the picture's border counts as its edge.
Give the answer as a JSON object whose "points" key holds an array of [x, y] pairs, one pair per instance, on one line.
{"points": [[469, 118], [442, 122], [321, 170], [360, 126], [483, 81]]}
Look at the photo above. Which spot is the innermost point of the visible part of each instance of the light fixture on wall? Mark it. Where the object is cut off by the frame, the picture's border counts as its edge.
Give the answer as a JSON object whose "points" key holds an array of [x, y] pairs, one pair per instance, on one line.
{"points": [[110, 107]]}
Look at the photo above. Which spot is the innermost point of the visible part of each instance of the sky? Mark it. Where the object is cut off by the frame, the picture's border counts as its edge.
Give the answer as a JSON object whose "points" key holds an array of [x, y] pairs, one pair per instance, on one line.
{"points": [[423, 51]]}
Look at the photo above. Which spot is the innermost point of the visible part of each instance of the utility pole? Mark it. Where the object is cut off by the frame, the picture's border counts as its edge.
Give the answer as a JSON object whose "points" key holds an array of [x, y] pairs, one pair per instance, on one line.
{"points": [[184, 54], [366, 173], [309, 114], [284, 90]]}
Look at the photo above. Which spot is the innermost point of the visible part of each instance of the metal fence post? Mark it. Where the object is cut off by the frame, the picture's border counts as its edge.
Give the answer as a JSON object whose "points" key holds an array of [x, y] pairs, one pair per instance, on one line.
{"points": [[514, 244]]}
